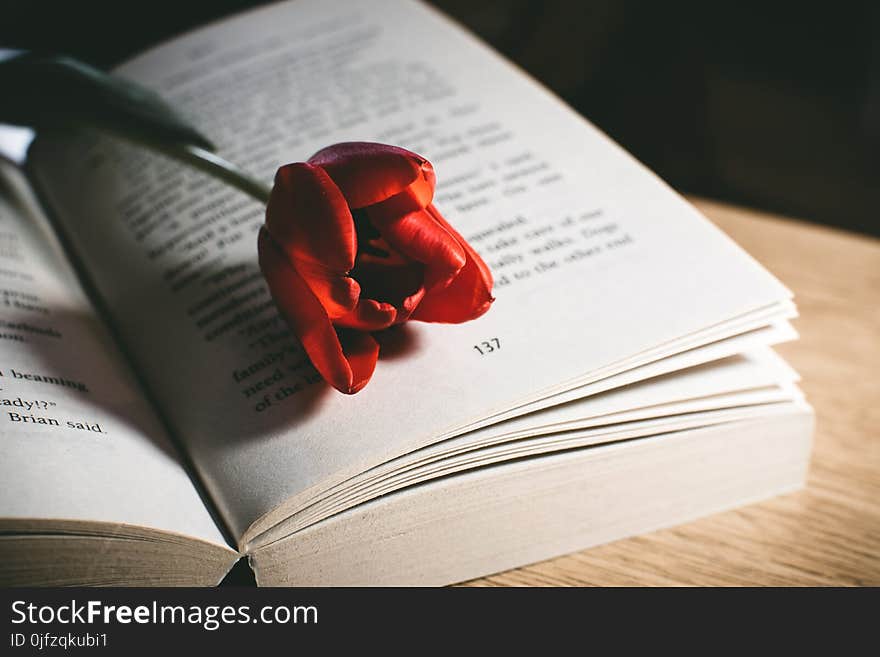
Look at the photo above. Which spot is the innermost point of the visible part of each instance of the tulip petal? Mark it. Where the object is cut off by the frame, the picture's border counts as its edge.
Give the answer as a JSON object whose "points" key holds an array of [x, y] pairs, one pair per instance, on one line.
{"points": [[415, 196], [336, 292], [361, 351], [347, 367], [368, 173], [368, 315], [310, 221], [420, 237], [399, 283], [468, 296]]}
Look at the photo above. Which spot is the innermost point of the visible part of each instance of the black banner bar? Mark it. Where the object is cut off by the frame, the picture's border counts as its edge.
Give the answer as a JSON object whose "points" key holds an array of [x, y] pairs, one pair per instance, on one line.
{"points": [[116, 621]]}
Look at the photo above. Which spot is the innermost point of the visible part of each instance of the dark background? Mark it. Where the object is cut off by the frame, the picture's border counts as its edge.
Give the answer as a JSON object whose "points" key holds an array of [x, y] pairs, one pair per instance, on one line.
{"points": [[774, 105]]}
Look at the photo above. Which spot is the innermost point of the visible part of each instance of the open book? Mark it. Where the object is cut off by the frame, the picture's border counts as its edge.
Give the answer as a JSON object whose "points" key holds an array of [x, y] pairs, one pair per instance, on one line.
{"points": [[159, 421]]}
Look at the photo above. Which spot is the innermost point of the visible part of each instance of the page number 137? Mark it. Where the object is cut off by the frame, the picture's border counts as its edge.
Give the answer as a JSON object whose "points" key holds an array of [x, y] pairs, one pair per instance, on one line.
{"points": [[488, 346]]}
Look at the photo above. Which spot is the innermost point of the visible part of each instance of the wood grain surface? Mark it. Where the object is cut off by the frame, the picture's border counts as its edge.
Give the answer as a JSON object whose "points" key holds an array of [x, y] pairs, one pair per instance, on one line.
{"points": [[827, 533]]}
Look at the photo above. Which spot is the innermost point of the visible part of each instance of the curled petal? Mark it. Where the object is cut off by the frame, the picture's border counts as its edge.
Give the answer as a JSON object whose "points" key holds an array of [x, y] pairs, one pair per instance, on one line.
{"points": [[346, 361], [397, 281], [415, 196], [338, 293], [468, 296], [420, 237], [409, 304], [368, 315], [308, 218], [361, 351], [369, 173]]}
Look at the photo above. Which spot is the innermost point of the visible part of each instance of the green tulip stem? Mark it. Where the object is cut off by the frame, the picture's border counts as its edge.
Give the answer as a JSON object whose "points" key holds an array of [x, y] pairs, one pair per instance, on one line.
{"points": [[216, 166]]}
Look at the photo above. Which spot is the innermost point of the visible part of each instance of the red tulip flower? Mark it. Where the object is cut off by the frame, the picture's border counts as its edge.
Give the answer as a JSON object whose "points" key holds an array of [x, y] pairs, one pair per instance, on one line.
{"points": [[352, 245]]}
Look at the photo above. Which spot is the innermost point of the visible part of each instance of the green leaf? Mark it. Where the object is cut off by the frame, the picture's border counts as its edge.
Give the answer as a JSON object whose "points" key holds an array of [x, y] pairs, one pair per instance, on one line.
{"points": [[50, 92]]}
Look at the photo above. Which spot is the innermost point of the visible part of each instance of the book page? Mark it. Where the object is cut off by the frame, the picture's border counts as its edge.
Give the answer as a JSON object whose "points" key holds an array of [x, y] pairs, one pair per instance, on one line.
{"points": [[594, 258], [79, 441]]}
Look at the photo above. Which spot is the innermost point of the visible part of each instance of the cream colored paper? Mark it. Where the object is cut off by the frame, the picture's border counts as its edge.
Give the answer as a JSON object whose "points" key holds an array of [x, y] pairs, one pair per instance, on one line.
{"points": [[79, 440]]}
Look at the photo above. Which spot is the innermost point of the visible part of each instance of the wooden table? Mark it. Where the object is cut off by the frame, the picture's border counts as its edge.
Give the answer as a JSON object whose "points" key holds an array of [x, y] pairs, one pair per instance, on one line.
{"points": [[828, 533]]}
